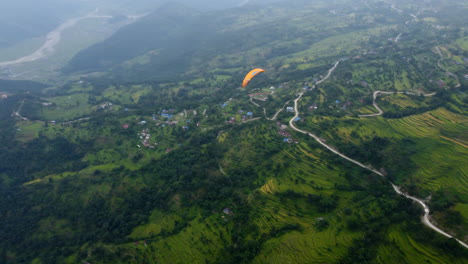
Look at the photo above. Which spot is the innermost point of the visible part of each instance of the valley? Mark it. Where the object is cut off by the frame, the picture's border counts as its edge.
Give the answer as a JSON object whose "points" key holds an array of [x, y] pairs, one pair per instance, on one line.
{"points": [[143, 148]]}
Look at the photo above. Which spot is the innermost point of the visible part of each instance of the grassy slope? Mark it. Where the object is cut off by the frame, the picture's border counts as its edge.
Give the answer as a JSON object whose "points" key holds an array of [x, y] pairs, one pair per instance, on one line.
{"points": [[301, 168]]}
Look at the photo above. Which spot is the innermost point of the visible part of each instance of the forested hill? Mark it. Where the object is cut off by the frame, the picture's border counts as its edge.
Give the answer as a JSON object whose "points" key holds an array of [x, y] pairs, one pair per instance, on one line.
{"points": [[153, 32], [21, 86], [176, 39]]}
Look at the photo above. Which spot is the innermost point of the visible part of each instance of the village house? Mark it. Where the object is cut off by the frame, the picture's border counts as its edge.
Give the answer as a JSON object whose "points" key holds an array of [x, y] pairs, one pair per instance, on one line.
{"points": [[313, 107], [167, 115], [284, 133], [104, 105], [441, 83]]}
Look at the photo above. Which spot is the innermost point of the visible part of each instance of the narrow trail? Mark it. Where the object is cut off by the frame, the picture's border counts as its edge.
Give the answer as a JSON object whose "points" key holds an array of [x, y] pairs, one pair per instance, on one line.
{"points": [[277, 113], [425, 219], [251, 120], [251, 100], [222, 170], [368, 6], [75, 121], [398, 38], [18, 112], [397, 9], [244, 3], [377, 93], [330, 71], [445, 69]]}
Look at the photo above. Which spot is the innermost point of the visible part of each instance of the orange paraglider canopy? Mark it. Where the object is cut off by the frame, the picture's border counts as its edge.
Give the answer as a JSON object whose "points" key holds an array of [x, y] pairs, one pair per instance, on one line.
{"points": [[250, 75]]}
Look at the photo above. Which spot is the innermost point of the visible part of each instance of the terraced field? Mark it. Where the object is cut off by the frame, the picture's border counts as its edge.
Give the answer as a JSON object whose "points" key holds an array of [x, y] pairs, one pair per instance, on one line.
{"points": [[28, 130], [441, 142], [67, 107], [404, 249], [400, 101]]}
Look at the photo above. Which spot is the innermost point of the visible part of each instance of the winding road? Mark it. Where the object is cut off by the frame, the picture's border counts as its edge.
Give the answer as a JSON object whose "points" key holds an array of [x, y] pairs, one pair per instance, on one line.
{"points": [[251, 100], [398, 10], [277, 113], [425, 219], [18, 112], [446, 71], [377, 93], [398, 38]]}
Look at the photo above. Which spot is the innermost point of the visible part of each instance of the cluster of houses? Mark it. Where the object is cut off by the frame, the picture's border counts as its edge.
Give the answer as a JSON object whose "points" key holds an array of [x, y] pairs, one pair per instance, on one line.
{"points": [[222, 105], [226, 211], [137, 243], [247, 116], [441, 83], [145, 136], [231, 120], [260, 96], [313, 107], [344, 105], [167, 113], [105, 105], [282, 131]]}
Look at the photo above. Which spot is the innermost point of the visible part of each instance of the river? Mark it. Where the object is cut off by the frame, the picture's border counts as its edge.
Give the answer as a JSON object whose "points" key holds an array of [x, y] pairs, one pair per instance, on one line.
{"points": [[52, 39]]}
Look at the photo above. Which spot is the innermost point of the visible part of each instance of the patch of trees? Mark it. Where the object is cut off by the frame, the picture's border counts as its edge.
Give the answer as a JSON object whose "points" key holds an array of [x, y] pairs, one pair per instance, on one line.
{"points": [[443, 98], [375, 210], [27, 162], [17, 87]]}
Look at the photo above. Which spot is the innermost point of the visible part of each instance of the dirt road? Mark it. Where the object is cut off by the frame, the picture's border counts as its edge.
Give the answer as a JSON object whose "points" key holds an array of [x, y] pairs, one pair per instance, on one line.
{"points": [[446, 71], [18, 112], [377, 93]]}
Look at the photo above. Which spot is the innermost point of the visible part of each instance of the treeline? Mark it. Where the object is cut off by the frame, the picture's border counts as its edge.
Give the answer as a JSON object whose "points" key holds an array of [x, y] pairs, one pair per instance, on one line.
{"points": [[98, 218], [18, 87], [443, 98], [26, 162]]}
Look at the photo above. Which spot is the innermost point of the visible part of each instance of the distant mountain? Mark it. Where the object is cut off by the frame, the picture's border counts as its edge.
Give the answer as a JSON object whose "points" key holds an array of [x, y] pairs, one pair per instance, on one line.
{"points": [[176, 37], [155, 31], [24, 19]]}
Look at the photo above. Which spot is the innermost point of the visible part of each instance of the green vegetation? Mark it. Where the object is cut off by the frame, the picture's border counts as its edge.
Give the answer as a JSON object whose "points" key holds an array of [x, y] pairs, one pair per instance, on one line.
{"points": [[168, 166]]}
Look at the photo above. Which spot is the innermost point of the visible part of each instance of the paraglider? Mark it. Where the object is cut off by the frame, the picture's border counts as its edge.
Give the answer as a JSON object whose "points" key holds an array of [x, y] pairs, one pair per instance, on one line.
{"points": [[250, 75]]}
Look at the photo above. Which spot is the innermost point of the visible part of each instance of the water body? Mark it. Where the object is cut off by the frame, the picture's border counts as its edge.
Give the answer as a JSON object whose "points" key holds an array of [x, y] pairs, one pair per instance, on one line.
{"points": [[52, 39]]}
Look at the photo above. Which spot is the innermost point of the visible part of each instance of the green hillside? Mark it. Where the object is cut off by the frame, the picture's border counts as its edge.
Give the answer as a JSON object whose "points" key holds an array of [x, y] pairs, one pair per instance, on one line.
{"points": [[162, 158]]}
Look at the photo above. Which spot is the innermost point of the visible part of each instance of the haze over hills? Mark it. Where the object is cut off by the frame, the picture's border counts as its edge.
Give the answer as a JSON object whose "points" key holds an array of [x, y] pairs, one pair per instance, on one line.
{"points": [[189, 37], [350, 148], [23, 19]]}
